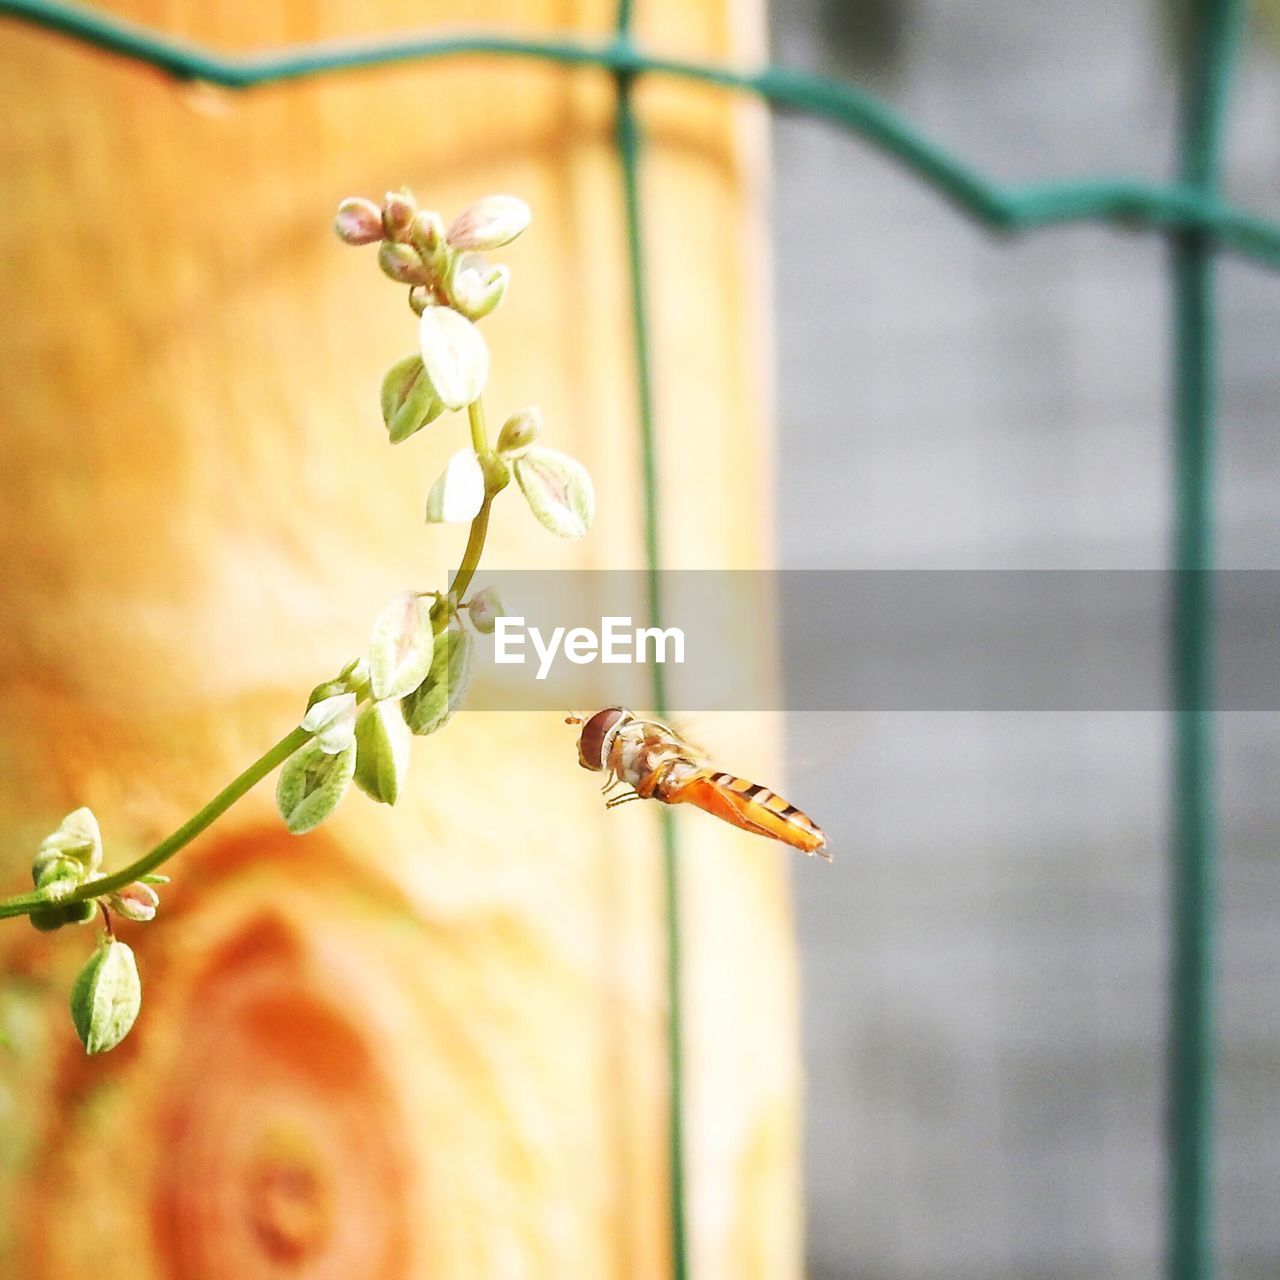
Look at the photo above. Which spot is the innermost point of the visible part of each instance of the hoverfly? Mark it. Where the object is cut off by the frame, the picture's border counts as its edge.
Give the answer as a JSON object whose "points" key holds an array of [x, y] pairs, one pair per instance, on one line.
{"points": [[655, 763]]}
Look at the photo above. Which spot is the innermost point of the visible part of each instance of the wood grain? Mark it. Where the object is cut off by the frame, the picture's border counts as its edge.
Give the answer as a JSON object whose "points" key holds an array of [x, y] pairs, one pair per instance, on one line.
{"points": [[423, 1042]]}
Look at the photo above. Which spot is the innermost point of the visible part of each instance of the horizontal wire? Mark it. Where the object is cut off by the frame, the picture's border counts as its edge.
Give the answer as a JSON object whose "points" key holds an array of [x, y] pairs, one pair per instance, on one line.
{"points": [[1122, 201]]}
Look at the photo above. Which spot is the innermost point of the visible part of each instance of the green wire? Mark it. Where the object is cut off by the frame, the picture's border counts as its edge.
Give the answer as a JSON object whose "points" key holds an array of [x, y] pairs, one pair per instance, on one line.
{"points": [[628, 138], [1189, 1230], [1125, 202]]}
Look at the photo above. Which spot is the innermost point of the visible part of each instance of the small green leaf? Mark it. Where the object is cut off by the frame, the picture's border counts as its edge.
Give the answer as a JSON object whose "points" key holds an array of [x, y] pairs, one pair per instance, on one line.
{"points": [[312, 784], [458, 493], [454, 354], [431, 705], [382, 751], [409, 401], [106, 997], [558, 490], [400, 646]]}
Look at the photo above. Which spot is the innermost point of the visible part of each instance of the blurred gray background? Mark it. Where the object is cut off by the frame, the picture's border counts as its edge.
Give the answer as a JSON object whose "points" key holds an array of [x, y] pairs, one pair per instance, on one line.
{"points": [[985, 965]]}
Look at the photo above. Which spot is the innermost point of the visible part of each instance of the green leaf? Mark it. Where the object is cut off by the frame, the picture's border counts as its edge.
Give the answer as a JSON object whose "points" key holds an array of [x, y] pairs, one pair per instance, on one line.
{"points": [[106, 997], [409, 401], [382, 751], [312, 784], [432, 704]]}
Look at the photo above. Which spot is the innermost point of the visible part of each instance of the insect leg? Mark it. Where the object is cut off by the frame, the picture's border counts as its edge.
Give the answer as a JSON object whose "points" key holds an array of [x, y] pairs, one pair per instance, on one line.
{"points": [[617, 800]]}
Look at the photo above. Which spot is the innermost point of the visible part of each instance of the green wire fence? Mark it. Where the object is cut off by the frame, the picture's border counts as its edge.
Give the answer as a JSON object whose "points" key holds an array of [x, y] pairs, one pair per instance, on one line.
{"points": [[1198, 223]]}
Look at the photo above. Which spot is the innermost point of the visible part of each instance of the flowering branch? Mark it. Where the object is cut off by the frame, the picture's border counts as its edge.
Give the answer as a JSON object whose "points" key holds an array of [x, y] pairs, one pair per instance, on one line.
{"points": [[358, 726]]}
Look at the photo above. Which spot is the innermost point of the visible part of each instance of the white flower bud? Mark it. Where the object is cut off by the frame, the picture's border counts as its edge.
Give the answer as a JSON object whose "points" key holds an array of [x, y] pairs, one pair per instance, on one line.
{"points": [[399, 210], [400, 646], [77, 837], [485, 608], [359, 221], [489, 223], [106, 997], [136, 901], [333, 721], [455, 354], [401, 263], [477, 290], [558, 490], [458, 493]]}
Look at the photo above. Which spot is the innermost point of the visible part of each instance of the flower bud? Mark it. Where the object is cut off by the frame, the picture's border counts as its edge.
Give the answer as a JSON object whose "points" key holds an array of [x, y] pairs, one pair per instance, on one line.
{"points": [[421, 296], [399, 210], [333, 722], [57, 873], [355, 675], [476, 292], [485, 608], [409, 401], [136, 901], [455, 355], [458, 493], [47, 919], [312, 784], [382, 751], [520, 431], [106, 997], [401, 263], [432, 704], [489, 223], [428, 231], [77, 837], [400, 646], [558, 490], [359, 221]]}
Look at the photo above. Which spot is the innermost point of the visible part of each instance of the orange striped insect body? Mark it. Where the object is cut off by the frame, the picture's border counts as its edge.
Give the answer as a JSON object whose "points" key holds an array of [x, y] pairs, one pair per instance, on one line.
{"points": [[653, 762]]}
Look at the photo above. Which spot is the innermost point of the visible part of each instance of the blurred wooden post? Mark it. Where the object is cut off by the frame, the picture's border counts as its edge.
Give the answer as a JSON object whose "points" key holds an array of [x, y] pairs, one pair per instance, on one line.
{"points": [[428, 1041]]}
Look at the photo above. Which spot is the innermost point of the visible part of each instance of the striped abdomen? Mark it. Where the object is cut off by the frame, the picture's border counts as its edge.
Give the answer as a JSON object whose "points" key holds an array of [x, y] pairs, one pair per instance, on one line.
{"points": [[747, 805]]}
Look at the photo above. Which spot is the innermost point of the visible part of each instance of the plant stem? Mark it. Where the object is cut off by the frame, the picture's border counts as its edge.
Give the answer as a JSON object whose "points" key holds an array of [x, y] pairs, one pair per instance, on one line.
{"points": [[479, 526], [25, 903], [479, 436]]}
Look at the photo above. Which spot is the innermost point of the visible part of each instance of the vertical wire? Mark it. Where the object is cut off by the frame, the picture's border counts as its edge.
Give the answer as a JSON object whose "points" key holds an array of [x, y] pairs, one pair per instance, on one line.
{"points": [[628, 142], [1213, 38]]}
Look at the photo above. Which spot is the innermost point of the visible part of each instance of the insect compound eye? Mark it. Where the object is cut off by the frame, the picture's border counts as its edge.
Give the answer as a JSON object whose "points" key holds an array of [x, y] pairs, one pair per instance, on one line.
{"points": [[594, 732]]}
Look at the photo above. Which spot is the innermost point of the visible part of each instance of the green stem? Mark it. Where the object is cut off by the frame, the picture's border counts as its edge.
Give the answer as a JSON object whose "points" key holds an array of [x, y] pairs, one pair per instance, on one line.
{"points": [[479, 526], [479, 436], [26, 903]]}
